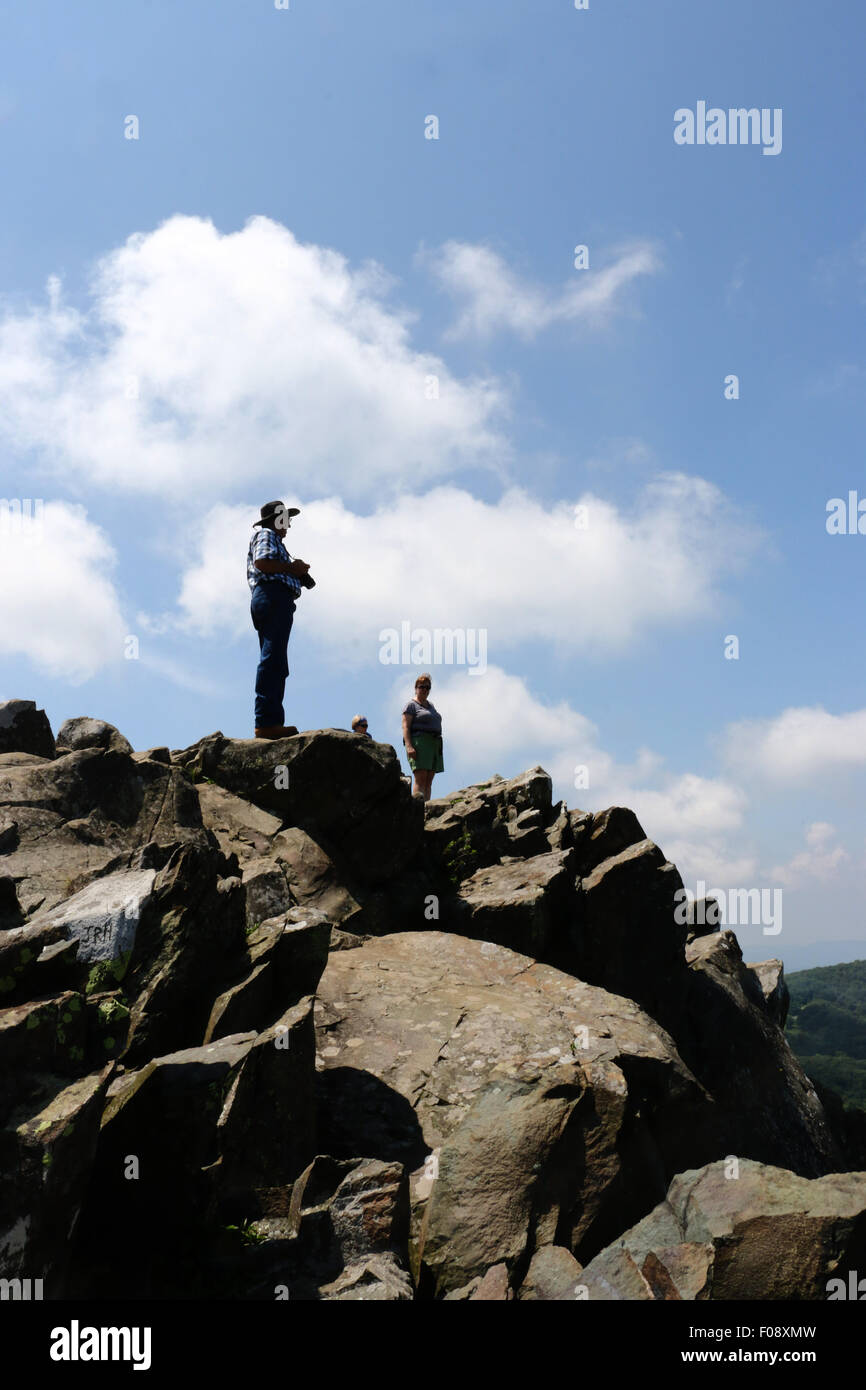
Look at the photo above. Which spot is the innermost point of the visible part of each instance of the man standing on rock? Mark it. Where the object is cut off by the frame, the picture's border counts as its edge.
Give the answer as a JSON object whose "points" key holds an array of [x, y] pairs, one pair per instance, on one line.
{"points": [[275, 581]]}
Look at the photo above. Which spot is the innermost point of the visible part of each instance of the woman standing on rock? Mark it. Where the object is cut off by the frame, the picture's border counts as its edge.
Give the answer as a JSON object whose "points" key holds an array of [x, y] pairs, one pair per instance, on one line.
{"points": [[422, 736]]}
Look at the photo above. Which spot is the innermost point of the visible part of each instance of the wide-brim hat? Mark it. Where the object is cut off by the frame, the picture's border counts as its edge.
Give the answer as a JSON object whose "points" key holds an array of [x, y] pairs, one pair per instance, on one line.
{"points": [[273, 509]]}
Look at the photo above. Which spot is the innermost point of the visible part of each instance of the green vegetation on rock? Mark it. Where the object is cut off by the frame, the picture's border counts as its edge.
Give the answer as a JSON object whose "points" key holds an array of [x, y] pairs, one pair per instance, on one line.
{"points": [[459, 858], [106, 974]]}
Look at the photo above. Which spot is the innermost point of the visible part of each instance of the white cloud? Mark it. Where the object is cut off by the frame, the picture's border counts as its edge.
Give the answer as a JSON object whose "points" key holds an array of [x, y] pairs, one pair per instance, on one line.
{"points": [[707, 804], [493, 718], [697, 820], [208, 361], [821, 859], [181, 673], [58, 606], [493, 297], [797, 745], [518, 569], [818, 834]]}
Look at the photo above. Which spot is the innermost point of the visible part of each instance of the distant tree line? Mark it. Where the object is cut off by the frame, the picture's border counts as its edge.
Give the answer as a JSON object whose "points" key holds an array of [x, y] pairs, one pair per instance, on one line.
{"points": [[826, 1027]]}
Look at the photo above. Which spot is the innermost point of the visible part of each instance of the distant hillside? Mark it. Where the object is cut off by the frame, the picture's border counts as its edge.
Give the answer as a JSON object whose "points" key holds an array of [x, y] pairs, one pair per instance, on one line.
{"points": [[827, 1027]]}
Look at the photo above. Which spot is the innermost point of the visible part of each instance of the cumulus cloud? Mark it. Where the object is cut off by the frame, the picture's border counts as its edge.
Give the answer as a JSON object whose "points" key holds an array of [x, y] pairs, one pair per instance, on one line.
{"points": [[493, 297], [697, 820], [821, 859], [58, 605], [516, 568], [797, 745], [695, 803], [494, 718], [206, 361]]}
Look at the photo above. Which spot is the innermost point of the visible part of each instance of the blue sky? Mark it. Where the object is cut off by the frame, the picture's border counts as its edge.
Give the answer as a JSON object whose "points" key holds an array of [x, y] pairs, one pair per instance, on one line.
{"points": [[246, 301]]}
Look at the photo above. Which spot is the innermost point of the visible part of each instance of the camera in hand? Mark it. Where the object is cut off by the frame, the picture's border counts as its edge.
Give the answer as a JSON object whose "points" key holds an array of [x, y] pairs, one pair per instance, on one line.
{"points": [[308, 581]]}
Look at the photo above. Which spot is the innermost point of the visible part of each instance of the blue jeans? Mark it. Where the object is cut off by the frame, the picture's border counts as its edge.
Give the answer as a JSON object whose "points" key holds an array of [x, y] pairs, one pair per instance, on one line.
{"points": [[272, 609]]}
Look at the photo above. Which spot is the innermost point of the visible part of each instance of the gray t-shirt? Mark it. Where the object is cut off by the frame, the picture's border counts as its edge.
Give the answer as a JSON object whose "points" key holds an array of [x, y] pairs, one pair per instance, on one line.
{"points": [[425, 719]]}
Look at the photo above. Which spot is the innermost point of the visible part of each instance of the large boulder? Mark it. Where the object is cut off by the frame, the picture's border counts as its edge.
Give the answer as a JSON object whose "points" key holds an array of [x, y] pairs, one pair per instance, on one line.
{"points": [[284, 960], [768, 1108], [314, 880], [190, 934], [83, 732], [546, 1105], [601, 835], [623, 934], [103, 918], [739, 1230], [85, 814], [25, 729], [330, 783], [266, 1133], [280, 868], [240, 827], [523, 904]]}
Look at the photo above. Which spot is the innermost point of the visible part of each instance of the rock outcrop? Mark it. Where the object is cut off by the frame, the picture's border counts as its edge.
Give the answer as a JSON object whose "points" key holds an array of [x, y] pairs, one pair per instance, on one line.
{"points": [[738, 1231], [24, 729], [734, 1043], [75, 734], [550, 1106], [298, 1036]]}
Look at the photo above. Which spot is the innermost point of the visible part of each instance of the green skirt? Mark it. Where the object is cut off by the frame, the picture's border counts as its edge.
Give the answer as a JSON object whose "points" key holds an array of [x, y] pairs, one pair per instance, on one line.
{"points": [[428, 753]]}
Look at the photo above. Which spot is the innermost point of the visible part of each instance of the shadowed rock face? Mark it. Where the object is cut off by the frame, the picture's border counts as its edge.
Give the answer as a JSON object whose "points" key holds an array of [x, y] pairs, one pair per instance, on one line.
{"points": [[25, 729], [48, 1148], [330, 783], [732, 1040], [771, 978], [370, 1051]]}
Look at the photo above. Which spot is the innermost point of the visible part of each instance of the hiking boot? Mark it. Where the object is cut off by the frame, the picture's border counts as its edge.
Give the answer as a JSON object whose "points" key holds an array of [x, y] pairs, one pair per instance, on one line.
{"points": [[276, 731]]}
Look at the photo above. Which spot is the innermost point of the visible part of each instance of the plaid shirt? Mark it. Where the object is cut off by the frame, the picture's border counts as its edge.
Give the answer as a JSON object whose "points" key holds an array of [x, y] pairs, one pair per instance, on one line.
{"points": [[266, 545]]}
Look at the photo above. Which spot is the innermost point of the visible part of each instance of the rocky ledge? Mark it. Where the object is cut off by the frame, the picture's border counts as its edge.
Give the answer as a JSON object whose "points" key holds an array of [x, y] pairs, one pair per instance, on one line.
{"points": [[270, 1028]]}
